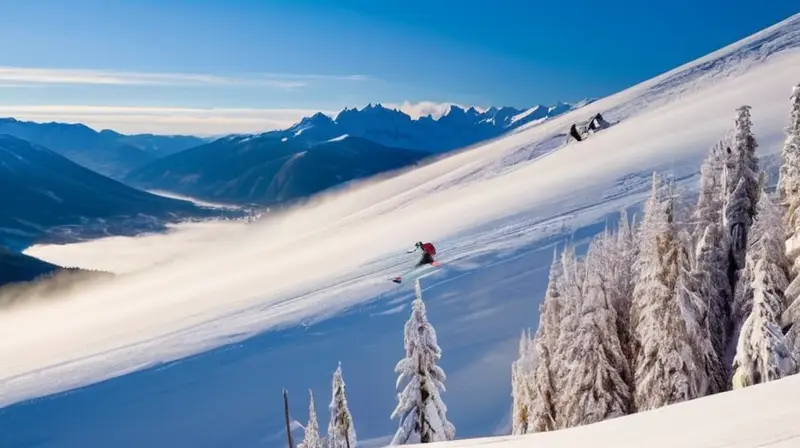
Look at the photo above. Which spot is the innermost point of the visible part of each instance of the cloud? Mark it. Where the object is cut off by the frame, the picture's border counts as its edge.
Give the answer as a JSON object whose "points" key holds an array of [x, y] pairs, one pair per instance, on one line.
{"points": [[424, 108], [58, 76], [162, 120]]}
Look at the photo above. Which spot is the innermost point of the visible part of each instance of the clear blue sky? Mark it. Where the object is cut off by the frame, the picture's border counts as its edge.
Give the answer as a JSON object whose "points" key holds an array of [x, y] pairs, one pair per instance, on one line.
{"points": [[328, 54]]}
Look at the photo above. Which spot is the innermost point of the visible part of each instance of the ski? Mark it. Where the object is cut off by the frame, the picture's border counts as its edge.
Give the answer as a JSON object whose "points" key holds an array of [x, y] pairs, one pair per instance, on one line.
{"points": [[399, 278]]}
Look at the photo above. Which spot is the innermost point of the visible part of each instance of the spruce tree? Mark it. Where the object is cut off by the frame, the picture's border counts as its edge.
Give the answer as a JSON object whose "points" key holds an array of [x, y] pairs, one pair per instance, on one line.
{"points": [[543, 391], [710, 298], [570, 287], [422, 413], [341, 432], [311, 437], [595, 388], [761, 347], [663, 373], [522, 386], [693, 301], [789, 194], [710, 281], [789, 175], [623, 255], [743, 180], [763, 353]]}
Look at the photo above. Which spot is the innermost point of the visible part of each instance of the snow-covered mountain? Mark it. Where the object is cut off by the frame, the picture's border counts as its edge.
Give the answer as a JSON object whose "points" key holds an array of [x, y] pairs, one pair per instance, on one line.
{"points": [[264, 169], [267, 171], [212, 328], [455, 129], [107, 152], [44, 194]]}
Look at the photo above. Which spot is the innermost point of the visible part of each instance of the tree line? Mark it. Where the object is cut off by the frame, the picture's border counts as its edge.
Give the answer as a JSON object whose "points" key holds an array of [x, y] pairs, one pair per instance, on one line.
{"points": [[676, 306]]}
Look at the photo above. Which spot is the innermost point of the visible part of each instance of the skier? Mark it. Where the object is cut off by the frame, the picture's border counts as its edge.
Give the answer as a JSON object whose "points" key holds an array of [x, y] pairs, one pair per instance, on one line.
{"points": [[428, 251]]}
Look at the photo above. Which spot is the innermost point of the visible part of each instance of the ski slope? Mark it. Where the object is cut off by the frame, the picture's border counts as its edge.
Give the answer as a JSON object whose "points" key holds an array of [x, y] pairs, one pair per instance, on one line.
{"points": [[757, 417], [211, 325]]}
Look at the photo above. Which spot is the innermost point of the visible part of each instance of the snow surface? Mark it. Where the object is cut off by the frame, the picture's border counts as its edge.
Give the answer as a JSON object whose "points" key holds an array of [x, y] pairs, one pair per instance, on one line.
{"points": [[279, 302], [760, 416]]}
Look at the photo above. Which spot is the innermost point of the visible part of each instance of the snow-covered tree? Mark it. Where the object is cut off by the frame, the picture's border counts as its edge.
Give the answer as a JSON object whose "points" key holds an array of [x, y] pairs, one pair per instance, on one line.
{"points": [[789, 176], [595, 387], [422, 414], [622, 279], [712, 191], [341, 432], [710, 282], [743, 183], [762, 353], [522, 393], [542, 415], [311, 438], [665, 362], [789, 194], [692, 295], [570, 289], [766, 240], [710, 296]]}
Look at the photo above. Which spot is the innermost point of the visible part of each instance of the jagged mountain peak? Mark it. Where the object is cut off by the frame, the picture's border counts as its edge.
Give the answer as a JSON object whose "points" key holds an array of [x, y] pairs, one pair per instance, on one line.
{"points": [[460, 126]]}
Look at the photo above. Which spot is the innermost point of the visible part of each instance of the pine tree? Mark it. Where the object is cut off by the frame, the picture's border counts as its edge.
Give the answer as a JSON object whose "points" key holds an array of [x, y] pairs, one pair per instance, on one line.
{"points": [[595, 388], [712, 191], [789, 176], [522, 393], [311, 437], [420, 409], [691, 293], [789, 194], [711, 297], [762, 353], [570, 288], [767, 234], [623, 256], [710, 276], [663, 374], [543, 394], [341, 432], [742, 180]]}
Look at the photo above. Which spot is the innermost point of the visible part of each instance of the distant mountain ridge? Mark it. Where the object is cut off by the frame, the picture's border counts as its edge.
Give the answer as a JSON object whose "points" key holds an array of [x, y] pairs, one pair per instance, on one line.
{"points": [[391, 127], [107, 152], [266, 170], [320, 152], [45, 196]]}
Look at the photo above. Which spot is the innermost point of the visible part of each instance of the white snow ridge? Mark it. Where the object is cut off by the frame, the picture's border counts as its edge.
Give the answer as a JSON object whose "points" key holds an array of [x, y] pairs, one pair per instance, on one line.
{"points": [[316, 278]]}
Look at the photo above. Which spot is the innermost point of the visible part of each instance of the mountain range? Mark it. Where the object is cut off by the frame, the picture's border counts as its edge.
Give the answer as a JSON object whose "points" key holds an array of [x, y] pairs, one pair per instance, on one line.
{"points": [[391, 127], [44, 192], [106, 152], [320, 152], [69, 181], [265, 170]]}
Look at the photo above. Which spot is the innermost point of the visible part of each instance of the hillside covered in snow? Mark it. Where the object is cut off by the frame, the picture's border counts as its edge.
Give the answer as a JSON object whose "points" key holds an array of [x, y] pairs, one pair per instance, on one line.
{"points": [[200, 336]]}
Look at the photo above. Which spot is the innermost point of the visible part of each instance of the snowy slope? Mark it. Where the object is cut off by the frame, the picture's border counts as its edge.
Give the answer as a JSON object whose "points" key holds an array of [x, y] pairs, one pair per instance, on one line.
{"points": [[316, 277], [765, 415]]}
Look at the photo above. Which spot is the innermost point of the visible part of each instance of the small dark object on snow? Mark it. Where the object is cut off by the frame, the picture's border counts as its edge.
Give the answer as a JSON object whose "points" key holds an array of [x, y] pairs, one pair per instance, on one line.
{"points": [[573, 131], [598, 123]]}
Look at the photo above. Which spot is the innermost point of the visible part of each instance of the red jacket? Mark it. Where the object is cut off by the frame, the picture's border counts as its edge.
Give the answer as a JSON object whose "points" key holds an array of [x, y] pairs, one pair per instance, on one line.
{"points": [[428, 248]]}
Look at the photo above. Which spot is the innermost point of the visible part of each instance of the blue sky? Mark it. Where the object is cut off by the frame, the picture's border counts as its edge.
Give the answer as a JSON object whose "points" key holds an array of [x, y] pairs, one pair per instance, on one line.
{"points": [[262, 63]]}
